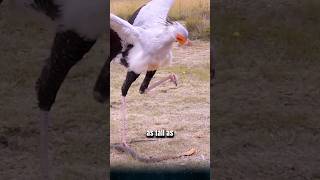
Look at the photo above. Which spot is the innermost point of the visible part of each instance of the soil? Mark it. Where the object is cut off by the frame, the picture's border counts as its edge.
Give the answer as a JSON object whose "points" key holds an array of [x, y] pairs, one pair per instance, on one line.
{"points": [[184, 109]]}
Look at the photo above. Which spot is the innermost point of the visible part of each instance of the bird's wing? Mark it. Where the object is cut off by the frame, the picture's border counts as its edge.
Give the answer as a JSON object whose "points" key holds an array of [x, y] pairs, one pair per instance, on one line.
{"points": [[125, 30], [154, 12]]}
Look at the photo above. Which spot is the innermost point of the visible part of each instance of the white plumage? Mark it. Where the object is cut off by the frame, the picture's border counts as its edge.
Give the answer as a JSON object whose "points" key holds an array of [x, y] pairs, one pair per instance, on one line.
{"points": [[152, 36], [153, 13], [128, 33]]}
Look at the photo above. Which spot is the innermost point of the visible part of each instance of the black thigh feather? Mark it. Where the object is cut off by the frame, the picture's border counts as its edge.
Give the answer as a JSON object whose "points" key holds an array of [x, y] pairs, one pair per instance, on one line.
{"points": [[68, 48]]}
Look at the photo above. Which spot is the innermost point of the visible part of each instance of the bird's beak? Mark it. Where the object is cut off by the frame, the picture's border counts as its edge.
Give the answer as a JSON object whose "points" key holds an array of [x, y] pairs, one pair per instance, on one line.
{"points": [[181, 39], [188, 43]]}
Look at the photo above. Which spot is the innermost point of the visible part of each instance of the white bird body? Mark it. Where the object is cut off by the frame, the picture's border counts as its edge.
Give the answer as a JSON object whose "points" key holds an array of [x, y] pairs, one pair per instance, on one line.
{"points": [[151, 51], [141, 61], [152, 45]]}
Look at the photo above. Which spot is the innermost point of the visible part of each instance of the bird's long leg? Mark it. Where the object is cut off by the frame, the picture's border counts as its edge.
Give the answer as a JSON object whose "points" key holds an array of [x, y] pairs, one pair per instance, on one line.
{"points": [[124, 123], [130, 78], [68, 48], [146, 81], [172, 77], [44, 154]]}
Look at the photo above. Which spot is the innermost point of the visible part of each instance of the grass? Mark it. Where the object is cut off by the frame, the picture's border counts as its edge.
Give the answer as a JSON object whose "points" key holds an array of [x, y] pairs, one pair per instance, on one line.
{"points": [[194, 14], [186, 72]]}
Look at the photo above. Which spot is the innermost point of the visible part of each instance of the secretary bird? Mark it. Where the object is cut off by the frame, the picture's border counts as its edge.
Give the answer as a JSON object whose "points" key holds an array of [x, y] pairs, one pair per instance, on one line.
{"points": [[144, 44]]}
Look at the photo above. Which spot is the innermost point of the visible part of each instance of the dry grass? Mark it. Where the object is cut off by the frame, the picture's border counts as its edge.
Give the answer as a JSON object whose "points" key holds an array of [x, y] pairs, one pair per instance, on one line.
{"points": [[184, 109], [195, 14]]}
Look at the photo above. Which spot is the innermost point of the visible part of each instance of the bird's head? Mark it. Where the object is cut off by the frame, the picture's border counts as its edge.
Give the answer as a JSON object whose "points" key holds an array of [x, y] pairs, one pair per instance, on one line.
{"points": [[180, 33]]}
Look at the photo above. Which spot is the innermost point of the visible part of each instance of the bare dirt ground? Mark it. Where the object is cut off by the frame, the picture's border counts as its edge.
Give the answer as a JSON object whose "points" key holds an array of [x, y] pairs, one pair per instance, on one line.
{"points": [[266, 92], [185, 109], [77, 136]]}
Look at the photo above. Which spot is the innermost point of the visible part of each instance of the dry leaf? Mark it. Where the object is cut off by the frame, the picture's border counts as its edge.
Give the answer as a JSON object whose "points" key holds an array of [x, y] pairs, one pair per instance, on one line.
{"points": [[190, 152]]}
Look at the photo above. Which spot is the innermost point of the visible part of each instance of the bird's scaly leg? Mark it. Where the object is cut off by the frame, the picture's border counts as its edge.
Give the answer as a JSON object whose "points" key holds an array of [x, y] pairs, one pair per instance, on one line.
{"points": [[124, 123], [44, 147], [130, 78], [68, 48], [172, 77]]}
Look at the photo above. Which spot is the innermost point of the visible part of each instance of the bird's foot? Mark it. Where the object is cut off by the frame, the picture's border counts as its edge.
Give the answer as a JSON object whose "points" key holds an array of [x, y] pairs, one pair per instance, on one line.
{"points": [[125, 144], [174, 79]]}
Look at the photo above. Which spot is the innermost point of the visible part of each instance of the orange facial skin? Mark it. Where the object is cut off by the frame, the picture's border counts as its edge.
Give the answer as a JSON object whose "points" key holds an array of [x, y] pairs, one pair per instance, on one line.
{"points": [[181, 39]]}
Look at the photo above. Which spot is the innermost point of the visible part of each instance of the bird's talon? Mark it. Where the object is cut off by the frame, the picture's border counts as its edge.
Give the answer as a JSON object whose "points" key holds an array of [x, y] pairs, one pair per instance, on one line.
{"points": [[174, 79], [125, 144]]}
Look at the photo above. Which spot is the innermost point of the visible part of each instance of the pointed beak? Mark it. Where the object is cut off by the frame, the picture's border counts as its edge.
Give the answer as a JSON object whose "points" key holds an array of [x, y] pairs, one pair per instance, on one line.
{"points": [[188, 43]]}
